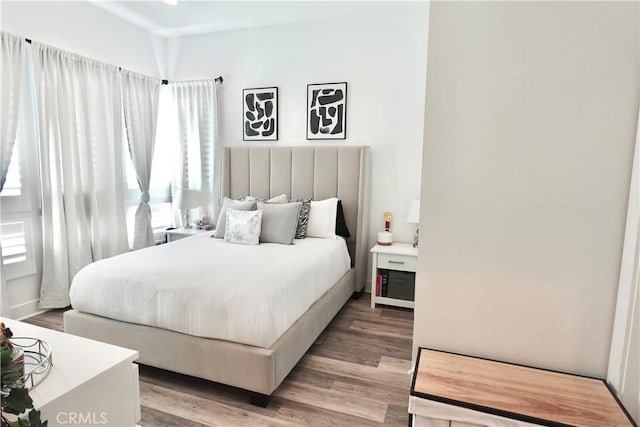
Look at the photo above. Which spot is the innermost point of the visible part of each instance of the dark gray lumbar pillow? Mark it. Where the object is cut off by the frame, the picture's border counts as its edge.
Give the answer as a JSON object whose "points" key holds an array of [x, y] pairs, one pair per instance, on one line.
{"points": [[248, 205], [303, 217], [279, 222]]}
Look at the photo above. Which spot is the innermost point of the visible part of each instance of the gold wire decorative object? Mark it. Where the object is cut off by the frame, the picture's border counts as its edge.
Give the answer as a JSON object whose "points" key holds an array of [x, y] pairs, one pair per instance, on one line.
{"points": [[37, 359]]}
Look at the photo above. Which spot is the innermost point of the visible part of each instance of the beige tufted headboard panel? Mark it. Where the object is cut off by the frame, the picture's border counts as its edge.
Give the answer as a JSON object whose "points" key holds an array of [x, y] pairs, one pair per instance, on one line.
{"points": [[307, 172]]}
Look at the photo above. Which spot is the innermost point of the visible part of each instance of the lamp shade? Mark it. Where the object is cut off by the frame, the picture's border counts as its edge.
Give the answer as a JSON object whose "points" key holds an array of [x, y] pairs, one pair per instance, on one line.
{"points": [[413, 216], [187, 199]]}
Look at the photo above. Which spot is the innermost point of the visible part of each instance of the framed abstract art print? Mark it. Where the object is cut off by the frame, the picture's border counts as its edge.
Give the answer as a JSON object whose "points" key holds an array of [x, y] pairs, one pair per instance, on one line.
{"points": [[260, 114], [327, 111]]}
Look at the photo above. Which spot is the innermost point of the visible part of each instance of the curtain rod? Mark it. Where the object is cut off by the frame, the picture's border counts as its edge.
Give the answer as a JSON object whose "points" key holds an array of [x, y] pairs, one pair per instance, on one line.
{"points": [[218, 79]]}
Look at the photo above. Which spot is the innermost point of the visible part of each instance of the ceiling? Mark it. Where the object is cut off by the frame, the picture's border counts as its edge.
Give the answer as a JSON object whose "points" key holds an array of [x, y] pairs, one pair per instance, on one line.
{"points": [[190, 17]]}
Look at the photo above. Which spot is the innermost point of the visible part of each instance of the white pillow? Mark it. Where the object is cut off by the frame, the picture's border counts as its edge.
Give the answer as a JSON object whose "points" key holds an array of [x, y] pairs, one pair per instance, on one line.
{"points": [[282, 198], [322, 219], [243, 227]]}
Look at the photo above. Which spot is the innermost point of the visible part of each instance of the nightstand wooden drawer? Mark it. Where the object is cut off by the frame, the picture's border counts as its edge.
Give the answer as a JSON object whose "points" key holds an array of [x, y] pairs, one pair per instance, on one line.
{"points": [[397, 262]]}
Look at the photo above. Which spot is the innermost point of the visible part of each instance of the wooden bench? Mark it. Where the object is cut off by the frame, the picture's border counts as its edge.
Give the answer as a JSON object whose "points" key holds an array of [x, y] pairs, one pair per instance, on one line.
{"points": [[456, 390]]}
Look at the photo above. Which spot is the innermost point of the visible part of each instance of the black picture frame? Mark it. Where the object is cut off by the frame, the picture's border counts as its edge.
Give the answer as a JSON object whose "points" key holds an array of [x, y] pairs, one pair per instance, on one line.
{"points": [[335, 124], [260, 114]]}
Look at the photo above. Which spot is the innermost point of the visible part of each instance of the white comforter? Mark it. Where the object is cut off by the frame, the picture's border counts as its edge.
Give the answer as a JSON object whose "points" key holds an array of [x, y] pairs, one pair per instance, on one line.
{"points": [[209, 288]]}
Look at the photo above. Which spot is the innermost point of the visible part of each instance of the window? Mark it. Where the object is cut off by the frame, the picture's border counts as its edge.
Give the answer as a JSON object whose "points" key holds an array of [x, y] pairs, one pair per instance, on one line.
{"points": [[16, 224], [13, 184], [16, 237], [20, 227], [12, 233], [14, 243], [15, 196]]}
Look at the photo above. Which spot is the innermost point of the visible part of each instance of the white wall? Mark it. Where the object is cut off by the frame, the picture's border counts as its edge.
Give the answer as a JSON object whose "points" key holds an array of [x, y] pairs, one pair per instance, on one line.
{"points": [[529, 132], [84, 29], [80, 27], [381, 53]]}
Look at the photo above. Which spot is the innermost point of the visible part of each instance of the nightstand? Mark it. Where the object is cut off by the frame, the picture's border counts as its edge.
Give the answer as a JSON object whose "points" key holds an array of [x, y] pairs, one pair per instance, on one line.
{"points": [[393, 275], [181, 233]]}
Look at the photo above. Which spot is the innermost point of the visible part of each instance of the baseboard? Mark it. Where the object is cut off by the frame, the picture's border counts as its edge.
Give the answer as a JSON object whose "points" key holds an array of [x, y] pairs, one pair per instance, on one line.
{"points": [[26, 309]]}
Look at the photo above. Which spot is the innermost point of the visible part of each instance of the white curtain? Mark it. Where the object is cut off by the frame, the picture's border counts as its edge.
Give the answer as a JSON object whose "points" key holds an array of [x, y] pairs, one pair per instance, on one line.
{"points": [[140, 96], [81, 161], [196, 106], [13, 60], [13, 53]]}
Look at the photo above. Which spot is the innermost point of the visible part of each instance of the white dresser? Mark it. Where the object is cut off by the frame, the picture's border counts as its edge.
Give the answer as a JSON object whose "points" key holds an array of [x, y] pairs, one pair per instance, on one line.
{"points": [[90, 383]]}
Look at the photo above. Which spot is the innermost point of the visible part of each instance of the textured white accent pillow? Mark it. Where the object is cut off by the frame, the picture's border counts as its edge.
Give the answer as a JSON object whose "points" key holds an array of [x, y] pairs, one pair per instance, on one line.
{"points": [[243, 227], [322, 219]]}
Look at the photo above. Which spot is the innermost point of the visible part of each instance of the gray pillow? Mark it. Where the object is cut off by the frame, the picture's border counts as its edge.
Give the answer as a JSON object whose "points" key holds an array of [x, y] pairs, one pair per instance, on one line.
{"points": [[279, 222], [249, 205]]}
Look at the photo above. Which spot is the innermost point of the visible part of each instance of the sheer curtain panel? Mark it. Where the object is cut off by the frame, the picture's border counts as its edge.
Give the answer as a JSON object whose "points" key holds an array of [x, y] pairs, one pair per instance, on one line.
{"points": [[13, 54], [140, 96], [81, 161], [196, 106], [13, 62]]}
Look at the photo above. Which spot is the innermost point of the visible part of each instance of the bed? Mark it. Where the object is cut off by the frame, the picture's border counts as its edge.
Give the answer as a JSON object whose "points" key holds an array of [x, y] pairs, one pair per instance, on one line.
{"points": [[244, 352]]}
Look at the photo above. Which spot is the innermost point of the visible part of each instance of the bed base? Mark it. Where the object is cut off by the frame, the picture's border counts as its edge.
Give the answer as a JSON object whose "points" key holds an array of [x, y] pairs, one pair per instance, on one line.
{"points": [[357, 294], [259, 370]]}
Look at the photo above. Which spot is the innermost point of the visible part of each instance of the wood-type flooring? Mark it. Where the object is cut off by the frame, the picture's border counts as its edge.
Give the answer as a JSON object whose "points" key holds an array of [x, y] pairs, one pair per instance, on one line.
{"points": [[355, 374]]}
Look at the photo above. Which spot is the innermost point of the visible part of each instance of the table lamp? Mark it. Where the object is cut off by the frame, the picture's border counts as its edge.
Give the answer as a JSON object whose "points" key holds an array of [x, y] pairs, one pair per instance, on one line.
{"points": [[186, 200], [413, 217]]}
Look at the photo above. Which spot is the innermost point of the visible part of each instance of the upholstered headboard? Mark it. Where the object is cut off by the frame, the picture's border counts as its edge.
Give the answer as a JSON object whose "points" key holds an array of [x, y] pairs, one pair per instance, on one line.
{"points": [[307, 172]]}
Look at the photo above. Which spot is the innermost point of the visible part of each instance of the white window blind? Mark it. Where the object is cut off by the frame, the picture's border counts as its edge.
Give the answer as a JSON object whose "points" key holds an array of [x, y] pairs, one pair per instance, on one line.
{"points": [[14, 242], [14, 236], [17, 208]]}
